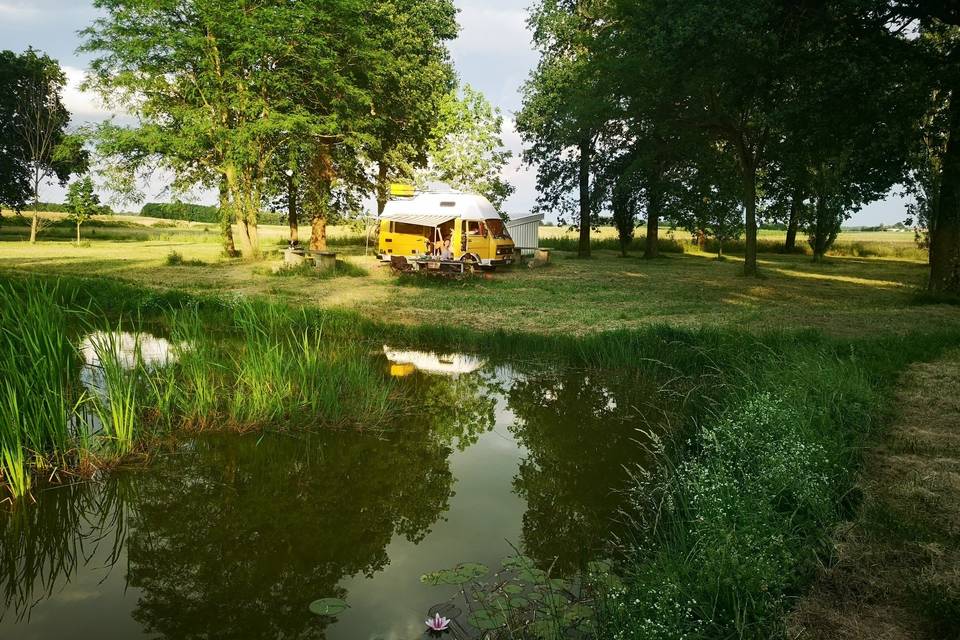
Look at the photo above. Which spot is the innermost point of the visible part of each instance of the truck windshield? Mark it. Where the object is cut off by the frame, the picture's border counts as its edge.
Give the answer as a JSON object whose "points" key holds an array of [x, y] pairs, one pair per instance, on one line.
{"points": [[498, 230]]}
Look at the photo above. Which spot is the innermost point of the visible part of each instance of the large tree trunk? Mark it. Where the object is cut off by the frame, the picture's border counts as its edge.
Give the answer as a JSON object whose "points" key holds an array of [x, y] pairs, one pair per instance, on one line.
{"points": [[819, 240], [945, 228], [293, 216], [320, 175], [226, 221], [318, 233], [796, 204], [78, 234], [34, 222], [749, 173], [654, 210], [382, 187], [585, 157]]}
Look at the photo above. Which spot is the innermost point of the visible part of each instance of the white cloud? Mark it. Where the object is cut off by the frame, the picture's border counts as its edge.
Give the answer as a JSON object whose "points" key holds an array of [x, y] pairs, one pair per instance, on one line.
{"points": [[522, 177], [17, 11], [487, 30], [83, 105]]}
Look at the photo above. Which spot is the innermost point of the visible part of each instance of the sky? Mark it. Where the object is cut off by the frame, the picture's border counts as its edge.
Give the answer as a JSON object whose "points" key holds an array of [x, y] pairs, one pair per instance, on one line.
{"points": [[493, 54]]}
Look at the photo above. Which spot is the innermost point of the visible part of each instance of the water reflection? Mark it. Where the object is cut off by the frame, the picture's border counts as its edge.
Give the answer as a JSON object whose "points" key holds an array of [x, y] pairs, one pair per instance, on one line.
{"points": [[403, 363], [232, 536], [584, 435], [128, 349]]}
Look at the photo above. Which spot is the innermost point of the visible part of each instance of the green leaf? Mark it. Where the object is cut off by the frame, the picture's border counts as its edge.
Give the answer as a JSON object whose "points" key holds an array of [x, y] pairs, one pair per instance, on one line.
{"points": [[328, 606], [554, 601], [487, 620], [599, 566], [459, 575], [576, 613], [518, 562]]}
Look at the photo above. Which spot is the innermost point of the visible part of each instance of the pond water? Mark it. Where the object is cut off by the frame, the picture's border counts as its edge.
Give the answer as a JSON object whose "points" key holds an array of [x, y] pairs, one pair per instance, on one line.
{"points": [[232, 536]]}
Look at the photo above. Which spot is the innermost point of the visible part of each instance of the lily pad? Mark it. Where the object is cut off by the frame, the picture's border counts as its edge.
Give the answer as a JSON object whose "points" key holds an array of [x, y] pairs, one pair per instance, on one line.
{"points": [[487, 620], [554, 601], [459, 575], [577, 613], [532, 575], [518, 562], [328, 606], [512, 589], [599, 566]]}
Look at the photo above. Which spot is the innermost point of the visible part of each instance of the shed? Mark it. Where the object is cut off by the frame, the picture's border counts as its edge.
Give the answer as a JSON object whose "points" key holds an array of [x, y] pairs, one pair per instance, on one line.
{"points": [[526, 233]]}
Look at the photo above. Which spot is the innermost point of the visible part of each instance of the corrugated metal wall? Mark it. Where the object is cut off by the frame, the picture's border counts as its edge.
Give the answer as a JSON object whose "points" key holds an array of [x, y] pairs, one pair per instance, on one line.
{"points": [[526, 233]]}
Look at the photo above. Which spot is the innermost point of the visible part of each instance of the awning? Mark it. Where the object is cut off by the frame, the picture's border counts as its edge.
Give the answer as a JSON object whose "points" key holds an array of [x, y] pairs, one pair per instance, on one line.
{"points": [[420, 219]]}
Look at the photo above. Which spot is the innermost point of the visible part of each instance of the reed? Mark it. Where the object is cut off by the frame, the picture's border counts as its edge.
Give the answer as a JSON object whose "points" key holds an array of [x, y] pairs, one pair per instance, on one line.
{"points": [[198, 387], [37, 365], [117, 401]]}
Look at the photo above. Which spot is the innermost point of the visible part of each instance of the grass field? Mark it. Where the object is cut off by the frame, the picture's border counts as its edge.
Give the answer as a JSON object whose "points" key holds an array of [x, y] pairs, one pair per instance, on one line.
{"points": [[845, 296]]}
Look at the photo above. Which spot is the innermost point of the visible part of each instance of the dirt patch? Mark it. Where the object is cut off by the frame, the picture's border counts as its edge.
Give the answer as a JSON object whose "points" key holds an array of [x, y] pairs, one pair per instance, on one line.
{"points": [[895, 570]]}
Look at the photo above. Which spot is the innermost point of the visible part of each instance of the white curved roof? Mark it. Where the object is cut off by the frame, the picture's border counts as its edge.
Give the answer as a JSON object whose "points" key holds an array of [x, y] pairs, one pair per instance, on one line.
{"points": [[442, 207]]}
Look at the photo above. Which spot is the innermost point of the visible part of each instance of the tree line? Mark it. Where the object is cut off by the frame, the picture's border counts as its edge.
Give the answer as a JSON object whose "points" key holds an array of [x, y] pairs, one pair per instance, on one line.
{"points": [[722, 115]]}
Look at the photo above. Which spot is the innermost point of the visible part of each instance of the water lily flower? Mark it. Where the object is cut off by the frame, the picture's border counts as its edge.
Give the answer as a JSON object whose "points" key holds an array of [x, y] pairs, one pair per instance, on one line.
{"points": [[437, 623]]}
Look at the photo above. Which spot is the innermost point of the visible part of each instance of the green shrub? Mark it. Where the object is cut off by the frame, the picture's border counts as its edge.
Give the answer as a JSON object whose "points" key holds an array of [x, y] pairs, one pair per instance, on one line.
{"points": [[176, 259]]}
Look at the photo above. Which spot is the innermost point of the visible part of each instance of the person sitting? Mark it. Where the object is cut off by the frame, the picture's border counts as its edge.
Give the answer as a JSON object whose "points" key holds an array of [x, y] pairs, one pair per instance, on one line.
{"points": [[445, 252]]}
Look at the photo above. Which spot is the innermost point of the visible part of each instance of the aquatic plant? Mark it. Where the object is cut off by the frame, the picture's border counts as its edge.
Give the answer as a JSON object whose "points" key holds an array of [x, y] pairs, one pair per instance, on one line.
{"points": [[437, 623], [197, 393], [117, 399], [38, 364]]}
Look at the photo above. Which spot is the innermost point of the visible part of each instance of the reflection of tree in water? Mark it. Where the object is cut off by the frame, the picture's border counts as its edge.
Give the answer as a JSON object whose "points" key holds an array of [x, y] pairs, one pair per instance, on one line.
{"points": [[582, 434], [456, 410], [43, 544], [234, 539]]}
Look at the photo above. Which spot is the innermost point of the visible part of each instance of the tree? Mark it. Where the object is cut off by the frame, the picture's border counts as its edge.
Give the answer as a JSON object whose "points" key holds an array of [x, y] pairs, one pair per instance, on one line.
{"points": [[226, 90], [219, 86], [37, 146], [853, 114], [409, 84], [564, 111], [465, 149], [727, 68], [14, 173], [935, 166], [82, 202]]}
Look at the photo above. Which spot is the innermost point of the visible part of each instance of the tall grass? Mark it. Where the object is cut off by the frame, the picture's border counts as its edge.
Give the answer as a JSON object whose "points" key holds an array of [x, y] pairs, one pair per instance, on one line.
{"points": [[243, 364], [38, 365], [300, 375], [197, 389], [118, 402], [733, 525]]}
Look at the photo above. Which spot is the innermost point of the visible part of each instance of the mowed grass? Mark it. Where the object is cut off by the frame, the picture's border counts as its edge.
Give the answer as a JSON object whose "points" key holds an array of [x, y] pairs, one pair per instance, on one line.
{"points": [[845, 296]]}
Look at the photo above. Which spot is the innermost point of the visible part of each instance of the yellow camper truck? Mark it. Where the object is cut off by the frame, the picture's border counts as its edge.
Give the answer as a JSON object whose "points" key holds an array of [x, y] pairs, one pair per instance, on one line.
{"points": [[449, 226]]}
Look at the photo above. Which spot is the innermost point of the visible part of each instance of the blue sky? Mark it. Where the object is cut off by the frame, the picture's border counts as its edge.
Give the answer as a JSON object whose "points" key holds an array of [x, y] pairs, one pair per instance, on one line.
{"points": [[493, 53]]}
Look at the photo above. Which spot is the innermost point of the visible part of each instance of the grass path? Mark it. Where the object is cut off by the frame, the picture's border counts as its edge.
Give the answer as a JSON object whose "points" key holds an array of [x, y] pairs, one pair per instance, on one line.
{"points": [[896, 570]]}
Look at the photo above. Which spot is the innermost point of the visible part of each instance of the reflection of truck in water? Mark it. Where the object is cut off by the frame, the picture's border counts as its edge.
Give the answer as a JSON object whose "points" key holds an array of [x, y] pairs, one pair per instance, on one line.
{"points": [[403, 363], [452, 226]]}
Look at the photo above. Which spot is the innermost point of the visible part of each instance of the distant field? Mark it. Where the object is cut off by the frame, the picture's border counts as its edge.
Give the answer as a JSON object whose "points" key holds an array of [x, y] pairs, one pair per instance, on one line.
{"points": [[127, 228], [845, 236]]}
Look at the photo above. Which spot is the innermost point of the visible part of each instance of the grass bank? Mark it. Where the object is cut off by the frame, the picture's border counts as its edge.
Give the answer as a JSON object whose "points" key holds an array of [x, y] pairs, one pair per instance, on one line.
{"points": [[85, 384], [893, 569], [727, 533]]}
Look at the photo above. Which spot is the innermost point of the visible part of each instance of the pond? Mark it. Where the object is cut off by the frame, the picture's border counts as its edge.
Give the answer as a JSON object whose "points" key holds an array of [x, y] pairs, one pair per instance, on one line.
{"points": [[228, 535]]}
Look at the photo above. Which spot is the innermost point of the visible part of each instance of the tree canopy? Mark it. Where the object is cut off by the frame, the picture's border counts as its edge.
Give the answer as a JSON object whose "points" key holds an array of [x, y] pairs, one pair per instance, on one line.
{"points": [[229, 93], [35, 145]]}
